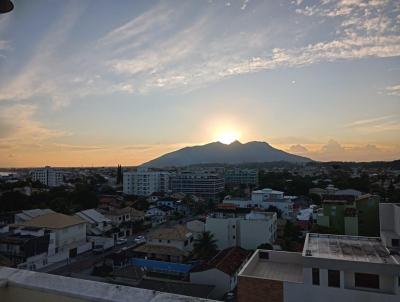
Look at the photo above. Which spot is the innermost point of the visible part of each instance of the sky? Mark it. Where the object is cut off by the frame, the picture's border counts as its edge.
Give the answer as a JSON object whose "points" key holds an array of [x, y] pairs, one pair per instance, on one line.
{"points": [[101, 83]]}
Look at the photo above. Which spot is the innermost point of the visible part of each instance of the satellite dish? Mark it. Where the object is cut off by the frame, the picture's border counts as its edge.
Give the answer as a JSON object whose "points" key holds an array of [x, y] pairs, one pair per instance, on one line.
{"points": [[6, 6]]}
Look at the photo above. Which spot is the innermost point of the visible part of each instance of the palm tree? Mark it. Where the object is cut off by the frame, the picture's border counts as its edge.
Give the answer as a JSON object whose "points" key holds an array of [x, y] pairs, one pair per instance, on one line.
{"points": [[205, 246]]}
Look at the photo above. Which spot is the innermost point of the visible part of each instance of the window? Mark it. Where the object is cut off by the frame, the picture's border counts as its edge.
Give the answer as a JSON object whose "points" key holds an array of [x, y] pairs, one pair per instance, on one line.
{"points": [[366, 280], [169, 241], [234, 237], [233, 226], [315, 276], [395, 242], [333, 278], [263, 255]]}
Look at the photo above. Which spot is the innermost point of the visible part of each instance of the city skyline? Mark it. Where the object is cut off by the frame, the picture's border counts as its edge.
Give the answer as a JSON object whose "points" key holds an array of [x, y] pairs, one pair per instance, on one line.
{"points": [[90, 83]]}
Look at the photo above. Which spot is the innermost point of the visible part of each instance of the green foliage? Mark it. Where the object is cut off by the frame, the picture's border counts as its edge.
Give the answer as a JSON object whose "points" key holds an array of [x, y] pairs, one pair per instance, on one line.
{"points": [[205, 246]]}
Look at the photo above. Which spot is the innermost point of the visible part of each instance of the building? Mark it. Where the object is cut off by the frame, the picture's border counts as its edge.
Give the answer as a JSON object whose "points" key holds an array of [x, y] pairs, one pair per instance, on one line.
{"points": [[21, 285], [176, 204], [202, 184], [96, 223], [359, 217], [27, 215], [330, 268], [196, 227], [144, 182], [237, 176], [48, 176], [221, 271], [389, 214], [171, 244], [247, 231], [70, 234], [265, 198], [26, 247]]}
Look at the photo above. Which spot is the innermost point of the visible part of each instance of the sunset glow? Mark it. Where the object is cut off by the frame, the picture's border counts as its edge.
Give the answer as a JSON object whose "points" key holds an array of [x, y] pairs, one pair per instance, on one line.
{"points": [[228, 137]]}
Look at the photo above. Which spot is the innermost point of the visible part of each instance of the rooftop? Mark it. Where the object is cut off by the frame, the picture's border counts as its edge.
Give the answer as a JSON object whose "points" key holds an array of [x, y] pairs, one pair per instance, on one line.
{"points": [[178, 232], [53, 221], [33, 286], [349, 248], [228, 261], [278, 265], [159, 249]]}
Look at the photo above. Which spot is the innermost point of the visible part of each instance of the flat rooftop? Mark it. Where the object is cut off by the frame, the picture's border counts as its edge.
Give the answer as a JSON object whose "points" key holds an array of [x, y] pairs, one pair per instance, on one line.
{"points": [[280, 266], [350, 248], [278, 271]]}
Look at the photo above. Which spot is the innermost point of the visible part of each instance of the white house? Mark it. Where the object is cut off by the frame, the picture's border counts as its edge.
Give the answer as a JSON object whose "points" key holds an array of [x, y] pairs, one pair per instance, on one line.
{"points": [[156, 215], [221, 271], [70, 234], [265, 198], [197, 227], [96, 223], [248, 231]]}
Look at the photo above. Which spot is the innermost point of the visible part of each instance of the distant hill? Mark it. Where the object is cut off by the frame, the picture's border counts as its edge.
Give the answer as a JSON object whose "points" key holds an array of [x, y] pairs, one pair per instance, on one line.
{"points": [[234, 153]]}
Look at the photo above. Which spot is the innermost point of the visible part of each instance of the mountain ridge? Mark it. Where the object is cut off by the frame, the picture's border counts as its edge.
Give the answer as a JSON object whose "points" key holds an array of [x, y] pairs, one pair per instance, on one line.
{"points": [[217, 152]]}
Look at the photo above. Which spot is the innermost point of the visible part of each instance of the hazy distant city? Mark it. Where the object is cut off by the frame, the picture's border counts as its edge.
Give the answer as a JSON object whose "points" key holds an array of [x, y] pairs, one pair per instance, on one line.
{"points": [[200, 151]]}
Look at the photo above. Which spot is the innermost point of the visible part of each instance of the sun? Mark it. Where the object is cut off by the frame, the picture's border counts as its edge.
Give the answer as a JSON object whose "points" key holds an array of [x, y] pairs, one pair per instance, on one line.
{"points": [[228, 137]]}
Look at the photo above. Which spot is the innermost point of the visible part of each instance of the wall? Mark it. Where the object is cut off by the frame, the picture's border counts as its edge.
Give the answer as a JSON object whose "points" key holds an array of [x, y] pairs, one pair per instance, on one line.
{"points": [[224, 231], [220, 280], [261, 290], [255, 232], [19, 294]]}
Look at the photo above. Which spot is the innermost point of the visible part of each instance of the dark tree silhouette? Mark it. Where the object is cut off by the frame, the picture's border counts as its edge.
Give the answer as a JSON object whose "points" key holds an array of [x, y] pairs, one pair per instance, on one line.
{"points": [[205, 246]]}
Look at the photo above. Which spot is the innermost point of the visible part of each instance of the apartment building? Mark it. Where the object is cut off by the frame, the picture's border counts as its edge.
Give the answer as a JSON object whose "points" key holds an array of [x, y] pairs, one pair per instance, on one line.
{"points": [[330, 268], [358, 217], [144, 182], [202, 184], [237, 176], [247, 231], [48, 176], [265, 198]]}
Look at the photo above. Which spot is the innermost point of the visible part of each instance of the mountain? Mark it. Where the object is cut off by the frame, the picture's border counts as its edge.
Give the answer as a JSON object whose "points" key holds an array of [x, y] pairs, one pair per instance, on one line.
{"points": [[234, 153]]}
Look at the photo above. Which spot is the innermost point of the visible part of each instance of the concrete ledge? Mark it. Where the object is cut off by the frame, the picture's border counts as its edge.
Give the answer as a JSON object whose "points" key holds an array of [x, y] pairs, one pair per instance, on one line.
{"points": [[85, 289]]}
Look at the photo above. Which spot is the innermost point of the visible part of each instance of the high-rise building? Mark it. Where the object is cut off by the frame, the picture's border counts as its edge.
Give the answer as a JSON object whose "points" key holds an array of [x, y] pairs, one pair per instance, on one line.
{"points": [[144, 182], [237, 176], [203, 184], [48, 176]]}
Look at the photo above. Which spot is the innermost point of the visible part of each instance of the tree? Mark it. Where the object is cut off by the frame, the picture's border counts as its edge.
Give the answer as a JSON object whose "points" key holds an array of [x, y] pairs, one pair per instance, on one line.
{"points": [[205, 246], [276, 210]]}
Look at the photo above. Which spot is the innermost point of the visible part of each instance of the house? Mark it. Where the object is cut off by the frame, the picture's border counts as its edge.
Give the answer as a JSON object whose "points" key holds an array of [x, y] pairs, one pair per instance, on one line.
{"points": [[176, 204], [246, 230], [265, 198], [305, 217], [97, 223], [331, 268], [70, 234], [156, 215], [171, 244], [221, 271], [351, 217], [26, 215], [26, 247], [196, 227], [389, 214]]}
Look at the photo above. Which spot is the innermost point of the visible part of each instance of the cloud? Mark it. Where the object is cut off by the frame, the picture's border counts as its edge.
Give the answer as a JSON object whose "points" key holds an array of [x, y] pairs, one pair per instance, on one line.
{"points": [[393, 90], [298, 149], [376, 124], [19, 129]]}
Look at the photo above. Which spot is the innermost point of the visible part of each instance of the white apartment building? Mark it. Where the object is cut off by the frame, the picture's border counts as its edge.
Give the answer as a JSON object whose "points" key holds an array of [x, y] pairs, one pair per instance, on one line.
{"points": [[331, 268], [265, 198], [144, 182], [248, 231], [48, 176]]}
